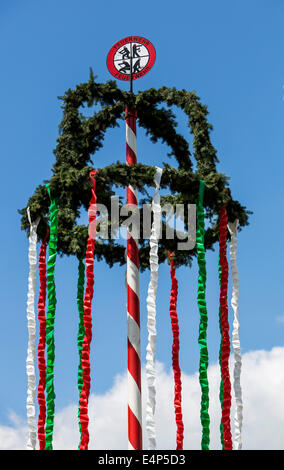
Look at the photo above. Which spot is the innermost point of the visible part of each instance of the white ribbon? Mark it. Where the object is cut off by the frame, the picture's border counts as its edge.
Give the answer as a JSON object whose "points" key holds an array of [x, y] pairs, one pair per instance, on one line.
{"points": [[30, 362], [238, 420], [151, 309]]}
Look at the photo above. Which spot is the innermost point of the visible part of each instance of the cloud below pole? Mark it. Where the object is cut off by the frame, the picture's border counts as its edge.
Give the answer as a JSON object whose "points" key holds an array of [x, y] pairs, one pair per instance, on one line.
{"points": [[263, 425]]}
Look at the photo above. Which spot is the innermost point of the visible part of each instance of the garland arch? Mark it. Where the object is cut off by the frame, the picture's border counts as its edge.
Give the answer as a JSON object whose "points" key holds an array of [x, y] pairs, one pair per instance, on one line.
{"points": [[82, 137]]}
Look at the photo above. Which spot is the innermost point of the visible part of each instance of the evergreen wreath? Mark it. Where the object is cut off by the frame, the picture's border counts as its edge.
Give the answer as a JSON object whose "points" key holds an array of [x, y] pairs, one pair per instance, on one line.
{"points": [[80, 137]]}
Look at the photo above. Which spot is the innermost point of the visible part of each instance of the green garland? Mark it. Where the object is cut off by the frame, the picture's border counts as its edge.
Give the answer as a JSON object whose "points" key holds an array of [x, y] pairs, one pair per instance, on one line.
{"points": [[80, 137], [50, 319], [202, 339]]}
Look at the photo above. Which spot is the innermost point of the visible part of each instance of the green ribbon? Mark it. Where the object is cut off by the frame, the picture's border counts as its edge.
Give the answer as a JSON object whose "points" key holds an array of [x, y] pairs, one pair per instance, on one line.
{"points": [[221, 392], [202, 340], [81, 331], [50, 319]]}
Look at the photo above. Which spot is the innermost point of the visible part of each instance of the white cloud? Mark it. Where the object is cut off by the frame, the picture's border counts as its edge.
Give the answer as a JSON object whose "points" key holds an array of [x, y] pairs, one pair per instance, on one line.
{"points": [[263, 426]]}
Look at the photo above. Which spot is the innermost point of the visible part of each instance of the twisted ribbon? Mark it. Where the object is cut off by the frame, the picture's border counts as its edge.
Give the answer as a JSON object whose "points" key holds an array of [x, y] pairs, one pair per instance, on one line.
{"points": [[90, 251], [30, 361], [221, 390], [81, 331], [233, 229], [41, 344], [151, 309], [225, 330], [50, 320], [202, 339], [175, 355]]}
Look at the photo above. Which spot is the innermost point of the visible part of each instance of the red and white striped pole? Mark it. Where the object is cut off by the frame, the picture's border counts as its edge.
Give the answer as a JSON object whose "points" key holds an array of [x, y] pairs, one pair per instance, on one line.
{"points": [[133, 304]]}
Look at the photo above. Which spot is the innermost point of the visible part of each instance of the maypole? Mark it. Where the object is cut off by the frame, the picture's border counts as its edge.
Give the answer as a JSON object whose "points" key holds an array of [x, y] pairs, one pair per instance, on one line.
{"points": [[129, 59], [133, 303], [58, 204]]}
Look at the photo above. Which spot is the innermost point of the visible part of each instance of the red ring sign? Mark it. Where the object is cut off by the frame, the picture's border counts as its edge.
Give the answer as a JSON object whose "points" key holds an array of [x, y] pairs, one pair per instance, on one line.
{"points": [[133, 53]]}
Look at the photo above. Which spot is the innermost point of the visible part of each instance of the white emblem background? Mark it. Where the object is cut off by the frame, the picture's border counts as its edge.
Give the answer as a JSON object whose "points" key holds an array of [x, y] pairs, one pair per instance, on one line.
{"points": [[120, 58]]}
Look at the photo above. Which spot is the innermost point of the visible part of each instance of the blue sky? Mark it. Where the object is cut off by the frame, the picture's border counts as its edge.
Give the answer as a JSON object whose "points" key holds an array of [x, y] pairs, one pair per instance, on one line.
{"points": [[231, 54]]}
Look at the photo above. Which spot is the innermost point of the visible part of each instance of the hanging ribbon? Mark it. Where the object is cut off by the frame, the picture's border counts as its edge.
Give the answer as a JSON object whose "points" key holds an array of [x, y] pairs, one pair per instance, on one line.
{"points": [[90, 251], [233, 229], [151, 309], [30, 361], [41, 344], [81, 331], [221, 391], [50, 320], [175, 355], [202, 339], [225, 331]]}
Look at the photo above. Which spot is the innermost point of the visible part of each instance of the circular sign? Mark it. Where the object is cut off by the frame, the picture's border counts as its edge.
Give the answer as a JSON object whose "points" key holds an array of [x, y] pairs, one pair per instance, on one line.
{"points": [[131, 58]]}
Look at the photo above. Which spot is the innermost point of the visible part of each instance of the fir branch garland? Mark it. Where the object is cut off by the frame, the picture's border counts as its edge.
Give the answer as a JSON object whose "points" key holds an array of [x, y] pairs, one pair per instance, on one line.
{"points": [[81, 137]]}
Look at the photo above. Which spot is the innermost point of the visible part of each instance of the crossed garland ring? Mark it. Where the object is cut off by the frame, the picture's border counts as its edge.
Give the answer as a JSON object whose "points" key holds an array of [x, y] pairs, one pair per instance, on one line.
{"points": [[80, 137]]}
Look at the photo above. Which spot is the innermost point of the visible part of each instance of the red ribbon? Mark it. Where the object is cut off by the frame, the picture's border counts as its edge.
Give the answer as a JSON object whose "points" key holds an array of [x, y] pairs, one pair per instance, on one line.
{"points": [[90, 251], [41, 343], [225, 353], [175, 356]]}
